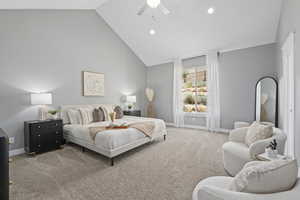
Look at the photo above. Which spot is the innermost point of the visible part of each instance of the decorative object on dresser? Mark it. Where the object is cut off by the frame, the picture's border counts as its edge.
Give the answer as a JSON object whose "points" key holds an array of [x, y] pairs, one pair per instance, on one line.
{"points": [[150, 109], [130, 100], [93, 84], [43, 136], [41, 99], [53, 114], [136, 113], [4, 169]]}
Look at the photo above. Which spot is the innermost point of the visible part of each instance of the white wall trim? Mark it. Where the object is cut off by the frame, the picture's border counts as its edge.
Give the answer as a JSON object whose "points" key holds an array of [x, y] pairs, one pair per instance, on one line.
{"points": [[220, 130], [16, 152], [170, 124]]}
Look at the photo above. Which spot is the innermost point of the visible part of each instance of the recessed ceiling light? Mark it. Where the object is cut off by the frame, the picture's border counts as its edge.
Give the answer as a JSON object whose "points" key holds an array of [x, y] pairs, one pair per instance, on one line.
{"points": [[152, 32], [211, 11]]}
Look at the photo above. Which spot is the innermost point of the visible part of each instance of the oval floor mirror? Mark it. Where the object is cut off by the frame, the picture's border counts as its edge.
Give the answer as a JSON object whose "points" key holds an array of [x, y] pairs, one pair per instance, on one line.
{"points": [[266, 100]]}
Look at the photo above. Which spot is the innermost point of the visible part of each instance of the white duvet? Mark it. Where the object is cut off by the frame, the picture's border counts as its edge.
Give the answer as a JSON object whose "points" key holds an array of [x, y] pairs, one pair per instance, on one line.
{"points": [[112, 139]]}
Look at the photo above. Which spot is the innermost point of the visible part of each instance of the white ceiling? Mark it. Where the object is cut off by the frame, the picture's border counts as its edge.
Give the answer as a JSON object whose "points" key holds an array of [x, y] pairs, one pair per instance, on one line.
{"points": [[188, 31], [50, 4]]}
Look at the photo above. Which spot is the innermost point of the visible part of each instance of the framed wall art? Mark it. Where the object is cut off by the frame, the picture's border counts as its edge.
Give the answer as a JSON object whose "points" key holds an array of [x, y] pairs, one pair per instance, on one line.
{"points": [[93, 84]]}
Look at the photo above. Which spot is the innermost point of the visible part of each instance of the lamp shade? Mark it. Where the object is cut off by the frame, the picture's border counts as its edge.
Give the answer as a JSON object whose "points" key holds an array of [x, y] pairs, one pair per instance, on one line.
{"points": [[41, 98], [131, 99]]}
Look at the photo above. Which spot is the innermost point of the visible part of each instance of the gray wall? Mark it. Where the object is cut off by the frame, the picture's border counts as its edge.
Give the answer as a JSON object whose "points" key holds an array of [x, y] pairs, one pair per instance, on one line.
{"points": [[289, 22], [160, 78], [47, 51], [239, 72]]}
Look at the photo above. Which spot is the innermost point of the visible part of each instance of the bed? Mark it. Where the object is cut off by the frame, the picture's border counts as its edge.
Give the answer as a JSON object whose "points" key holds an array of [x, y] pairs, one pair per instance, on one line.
{"points": [[110, 143]]}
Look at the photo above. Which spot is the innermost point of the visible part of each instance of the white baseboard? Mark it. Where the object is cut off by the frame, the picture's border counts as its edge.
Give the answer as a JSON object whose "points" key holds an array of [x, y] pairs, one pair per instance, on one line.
{"points": [[195, 127], [221, 130], [16, 152], [170, 124]]}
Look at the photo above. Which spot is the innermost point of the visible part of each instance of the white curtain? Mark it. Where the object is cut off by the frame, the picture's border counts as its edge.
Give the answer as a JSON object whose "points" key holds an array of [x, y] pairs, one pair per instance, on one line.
{"points": [[177, 94], [213, 99]]}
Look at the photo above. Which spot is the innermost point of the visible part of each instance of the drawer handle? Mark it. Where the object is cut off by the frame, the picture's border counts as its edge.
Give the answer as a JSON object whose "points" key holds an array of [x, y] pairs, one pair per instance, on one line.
{"points": [[39, 145], [56, 124], [39, 126], [39, 135], [56, 132]]}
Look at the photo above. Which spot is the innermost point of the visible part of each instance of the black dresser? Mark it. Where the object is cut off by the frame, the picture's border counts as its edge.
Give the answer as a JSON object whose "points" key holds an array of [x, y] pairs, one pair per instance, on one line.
{"points": [[136, 113], [43, 136], [4, 168]]}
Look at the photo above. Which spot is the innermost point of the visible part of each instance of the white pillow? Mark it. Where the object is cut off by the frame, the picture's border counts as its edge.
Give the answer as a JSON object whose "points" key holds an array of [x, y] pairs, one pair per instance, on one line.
{"points": [[258, 131], [74, 116], [107, 109], [266, 177], [86, 115]]}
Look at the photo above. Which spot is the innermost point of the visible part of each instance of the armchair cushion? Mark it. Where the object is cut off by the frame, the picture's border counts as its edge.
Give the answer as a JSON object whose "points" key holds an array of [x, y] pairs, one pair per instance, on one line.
{"points": [[266, 177], [238, 135], [258, 131]]}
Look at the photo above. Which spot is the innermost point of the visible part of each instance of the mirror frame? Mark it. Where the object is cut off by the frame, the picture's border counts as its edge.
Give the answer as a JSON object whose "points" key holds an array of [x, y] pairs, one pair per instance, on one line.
{"points": [[276, 106]]}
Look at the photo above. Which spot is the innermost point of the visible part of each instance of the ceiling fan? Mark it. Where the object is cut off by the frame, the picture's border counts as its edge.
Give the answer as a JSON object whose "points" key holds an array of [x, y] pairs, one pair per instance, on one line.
{"points": [[153, 4]]}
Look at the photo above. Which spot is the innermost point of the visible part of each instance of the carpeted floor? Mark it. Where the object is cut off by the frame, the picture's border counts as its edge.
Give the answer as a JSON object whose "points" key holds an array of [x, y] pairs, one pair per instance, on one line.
{"points": [[158, 171]]}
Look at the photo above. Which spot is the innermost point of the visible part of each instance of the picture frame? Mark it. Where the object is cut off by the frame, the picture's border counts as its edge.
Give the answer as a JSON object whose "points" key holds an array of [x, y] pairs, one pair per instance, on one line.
{"points": [[93, 84]]}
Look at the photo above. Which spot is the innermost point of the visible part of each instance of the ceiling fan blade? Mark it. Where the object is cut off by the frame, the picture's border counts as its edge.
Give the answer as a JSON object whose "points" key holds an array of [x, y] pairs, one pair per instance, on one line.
{"points": [[143, 9], [164, 9]]}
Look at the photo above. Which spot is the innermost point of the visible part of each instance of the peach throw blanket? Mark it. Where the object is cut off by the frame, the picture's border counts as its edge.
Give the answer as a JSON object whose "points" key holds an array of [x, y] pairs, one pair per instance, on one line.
{"points": [[145, 127]]}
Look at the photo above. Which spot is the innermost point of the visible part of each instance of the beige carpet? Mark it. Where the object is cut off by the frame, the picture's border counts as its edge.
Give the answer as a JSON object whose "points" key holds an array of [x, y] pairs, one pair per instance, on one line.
{"points": [[159, 171]]}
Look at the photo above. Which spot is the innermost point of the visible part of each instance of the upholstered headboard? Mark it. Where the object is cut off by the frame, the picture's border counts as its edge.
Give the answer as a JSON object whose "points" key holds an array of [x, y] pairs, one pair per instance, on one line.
{"points": [[64, 109]]}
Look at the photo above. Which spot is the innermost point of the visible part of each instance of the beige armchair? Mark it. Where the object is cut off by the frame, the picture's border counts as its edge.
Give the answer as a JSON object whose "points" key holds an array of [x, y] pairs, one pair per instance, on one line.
{"points": [[216, 188], [236, 153]]}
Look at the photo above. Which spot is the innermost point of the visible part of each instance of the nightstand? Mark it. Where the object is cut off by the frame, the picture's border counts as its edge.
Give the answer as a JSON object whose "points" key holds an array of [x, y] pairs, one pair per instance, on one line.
{"points": [[136, 113], [4, 168], [43, 136]]}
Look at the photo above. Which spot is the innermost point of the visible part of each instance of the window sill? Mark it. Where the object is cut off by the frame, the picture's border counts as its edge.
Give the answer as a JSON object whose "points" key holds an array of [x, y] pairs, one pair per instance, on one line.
{"points": [[195, 114]]}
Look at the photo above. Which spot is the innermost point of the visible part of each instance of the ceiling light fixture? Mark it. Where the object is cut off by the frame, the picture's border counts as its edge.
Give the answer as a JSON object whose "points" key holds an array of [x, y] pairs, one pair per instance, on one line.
{"points": [[152, 32], [211, 11], [153, 3]]}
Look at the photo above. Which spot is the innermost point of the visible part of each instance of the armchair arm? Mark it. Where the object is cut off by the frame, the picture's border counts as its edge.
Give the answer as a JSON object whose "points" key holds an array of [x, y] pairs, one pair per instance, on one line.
{"points": [[258, 147], [208, 193], [238, 135]]}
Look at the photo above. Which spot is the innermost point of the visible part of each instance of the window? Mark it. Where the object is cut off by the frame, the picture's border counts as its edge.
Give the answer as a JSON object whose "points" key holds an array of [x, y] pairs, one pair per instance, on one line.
{"points": [[194, 89]]}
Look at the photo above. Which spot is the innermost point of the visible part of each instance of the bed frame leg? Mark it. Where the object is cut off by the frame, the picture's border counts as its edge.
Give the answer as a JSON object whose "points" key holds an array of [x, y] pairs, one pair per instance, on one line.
{"points": [[83, 149], [112, 162], [165, 137]]}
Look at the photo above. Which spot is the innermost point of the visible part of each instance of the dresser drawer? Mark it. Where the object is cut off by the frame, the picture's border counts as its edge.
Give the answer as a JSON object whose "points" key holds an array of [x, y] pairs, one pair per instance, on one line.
{"points": [[38, 127], [54, 125], [136, 113]]}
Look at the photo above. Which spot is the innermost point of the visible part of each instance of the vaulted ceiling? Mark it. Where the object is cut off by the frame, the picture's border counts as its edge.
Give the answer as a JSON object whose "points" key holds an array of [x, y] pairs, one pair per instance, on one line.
{"points": [[50, 4], [188, 31]]}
